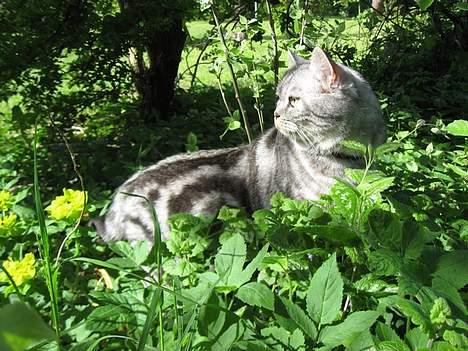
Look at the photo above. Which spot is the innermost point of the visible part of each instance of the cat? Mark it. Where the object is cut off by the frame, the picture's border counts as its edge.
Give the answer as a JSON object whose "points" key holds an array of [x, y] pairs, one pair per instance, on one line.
{"points": [[320, 104]]}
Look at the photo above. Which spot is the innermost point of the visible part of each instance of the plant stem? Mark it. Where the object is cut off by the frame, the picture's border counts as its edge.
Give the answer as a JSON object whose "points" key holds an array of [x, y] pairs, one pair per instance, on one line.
{"points": [[248, 130], [303, 22], [223, 96], [44, 249], [275, 42], [256, 90]]}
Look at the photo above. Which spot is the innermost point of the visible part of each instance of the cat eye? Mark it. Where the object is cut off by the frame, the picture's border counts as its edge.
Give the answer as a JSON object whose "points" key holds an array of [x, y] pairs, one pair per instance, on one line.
{"points": [[293, 99]]}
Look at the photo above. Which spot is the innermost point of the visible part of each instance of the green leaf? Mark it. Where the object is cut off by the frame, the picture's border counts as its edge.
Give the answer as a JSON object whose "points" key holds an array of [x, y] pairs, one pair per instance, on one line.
{"points": [[424, 4], [230, 259], [456, 339], [336, 233], [410, 309], [376, 186], [229, 263], [346, 332], [136, 252], [257, 294], [355, 146], [384, 262], [363, 341], [109, 317], [386, 229], [392, 346], [21, 327], [299, 317], [417, 339], [414, 239], [325, 293], [226, 339], [212, 316], [277, 336], [462, 6], [385, 333], [440, 311], [233, 125], [452, 269], [458, 127], [386, 148], [251, 267]]}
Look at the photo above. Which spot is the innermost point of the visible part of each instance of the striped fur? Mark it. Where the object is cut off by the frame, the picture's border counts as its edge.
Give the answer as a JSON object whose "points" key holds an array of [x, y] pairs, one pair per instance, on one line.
{"points": [[320, 104]]}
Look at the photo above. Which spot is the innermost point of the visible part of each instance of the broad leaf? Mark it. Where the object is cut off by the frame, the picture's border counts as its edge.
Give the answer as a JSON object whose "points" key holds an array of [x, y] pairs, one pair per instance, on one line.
{"points": [[336, 233], [228, 337], [458, 127], [375, 187], [386, 229], [21, 327], [251, 267], [299, 317], [110, 317], [424, 4], [417, 339], [385, 333], [410, 309], [392, 346], [325, 293], [257, 294], [345, 333], [452, 268], [278, 337], [388, 147], [229, 261], [212, 317], [136, 252]]}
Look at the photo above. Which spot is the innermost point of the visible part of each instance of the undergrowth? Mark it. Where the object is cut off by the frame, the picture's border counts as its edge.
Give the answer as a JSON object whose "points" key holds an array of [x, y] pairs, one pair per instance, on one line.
{"points": [[379, 263]]}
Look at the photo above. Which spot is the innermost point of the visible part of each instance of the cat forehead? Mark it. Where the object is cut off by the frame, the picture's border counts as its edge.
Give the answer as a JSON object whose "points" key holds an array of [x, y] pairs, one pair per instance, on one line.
{"points": [[295, 79]]}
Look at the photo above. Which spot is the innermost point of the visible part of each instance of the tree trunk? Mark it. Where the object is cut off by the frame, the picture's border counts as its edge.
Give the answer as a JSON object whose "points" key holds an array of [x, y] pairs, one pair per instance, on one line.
{"points": [[164, 52], [378, 6], [154, 79]]}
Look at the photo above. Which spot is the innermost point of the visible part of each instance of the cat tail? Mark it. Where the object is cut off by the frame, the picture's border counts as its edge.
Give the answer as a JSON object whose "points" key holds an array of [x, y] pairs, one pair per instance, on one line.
{"points": [[99, 224]]}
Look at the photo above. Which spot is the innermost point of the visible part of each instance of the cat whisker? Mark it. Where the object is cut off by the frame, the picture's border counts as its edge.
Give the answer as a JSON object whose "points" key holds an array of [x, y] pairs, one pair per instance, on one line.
{"points": [[304, 137]]}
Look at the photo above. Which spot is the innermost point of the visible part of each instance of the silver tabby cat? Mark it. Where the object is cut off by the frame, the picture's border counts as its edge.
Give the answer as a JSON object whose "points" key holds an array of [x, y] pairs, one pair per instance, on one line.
{"points": [[320, 104]]}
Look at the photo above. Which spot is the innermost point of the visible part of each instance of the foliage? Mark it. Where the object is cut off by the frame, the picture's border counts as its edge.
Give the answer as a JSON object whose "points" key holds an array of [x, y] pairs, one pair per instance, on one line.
{"points": [[358, 269]]}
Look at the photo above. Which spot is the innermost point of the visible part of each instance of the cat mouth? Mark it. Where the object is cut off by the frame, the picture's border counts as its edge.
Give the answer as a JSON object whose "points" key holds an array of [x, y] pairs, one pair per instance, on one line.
{"points": [[309, 138], [286, 126], [295, 132]]}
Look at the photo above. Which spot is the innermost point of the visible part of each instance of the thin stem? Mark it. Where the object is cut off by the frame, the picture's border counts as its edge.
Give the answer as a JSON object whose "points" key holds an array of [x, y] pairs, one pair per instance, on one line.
{"points": [[223, 96], [12, 282], [233, 77], [256, 89], [275, 42], [82, 186], [303, 22]]}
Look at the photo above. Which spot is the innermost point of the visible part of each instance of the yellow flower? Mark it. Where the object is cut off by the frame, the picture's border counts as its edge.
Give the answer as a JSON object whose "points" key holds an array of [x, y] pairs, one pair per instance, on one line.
{"points": [[5, 198], [20, 271], [7, 223], [68, 206]]}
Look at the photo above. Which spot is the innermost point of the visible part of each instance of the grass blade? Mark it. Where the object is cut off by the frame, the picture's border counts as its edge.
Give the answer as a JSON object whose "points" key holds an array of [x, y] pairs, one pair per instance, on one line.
{"points": [[44, 248]]}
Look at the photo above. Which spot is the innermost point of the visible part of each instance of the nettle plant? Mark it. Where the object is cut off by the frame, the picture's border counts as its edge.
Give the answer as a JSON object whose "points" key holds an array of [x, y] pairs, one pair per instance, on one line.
{"points": [[349, 271], [356, 270]]}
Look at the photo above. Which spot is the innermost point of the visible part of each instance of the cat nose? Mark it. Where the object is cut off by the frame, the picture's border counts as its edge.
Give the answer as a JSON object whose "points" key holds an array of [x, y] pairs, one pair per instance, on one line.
{"points": [[276, 114]]}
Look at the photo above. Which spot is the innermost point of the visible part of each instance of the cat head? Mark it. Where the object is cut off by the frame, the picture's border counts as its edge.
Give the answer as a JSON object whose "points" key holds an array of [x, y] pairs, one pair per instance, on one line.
{"points": [[321, 103]]}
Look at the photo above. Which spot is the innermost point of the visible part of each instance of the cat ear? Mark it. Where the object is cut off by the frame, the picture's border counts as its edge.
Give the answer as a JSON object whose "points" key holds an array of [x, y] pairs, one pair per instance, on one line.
{"points": [[294, 59], [329, 72]]}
